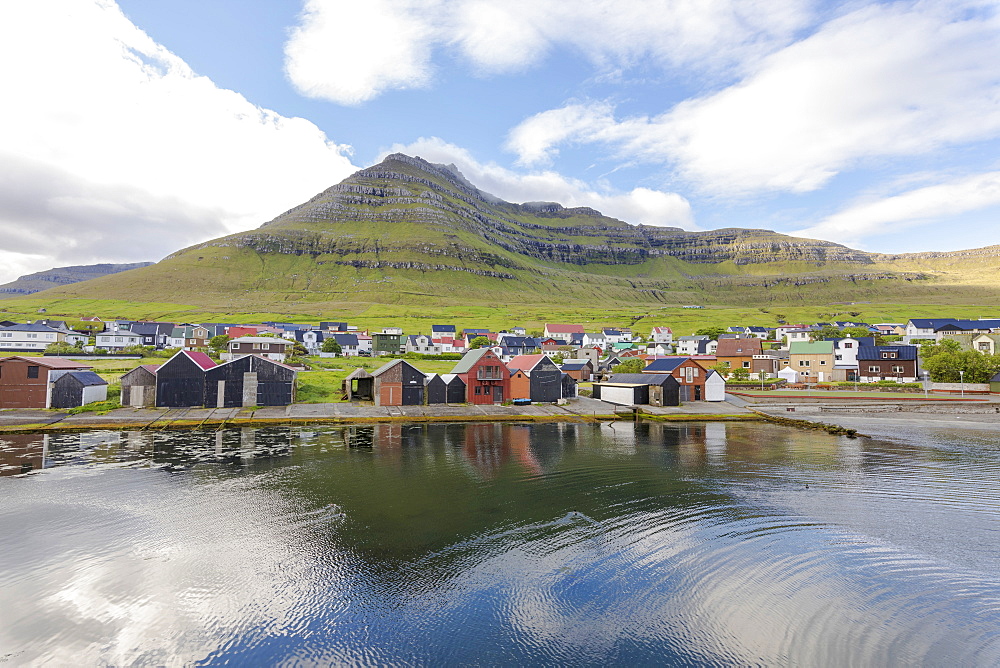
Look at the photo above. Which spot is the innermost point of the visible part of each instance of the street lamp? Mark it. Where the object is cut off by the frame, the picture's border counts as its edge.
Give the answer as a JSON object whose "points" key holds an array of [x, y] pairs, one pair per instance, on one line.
{"points": [[925, 376], [961, 378]]}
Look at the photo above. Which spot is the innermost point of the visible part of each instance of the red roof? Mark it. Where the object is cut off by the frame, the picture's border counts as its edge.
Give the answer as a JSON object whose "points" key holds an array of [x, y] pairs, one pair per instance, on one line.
{"points": [[151, 368], [51, 362], [525, 362], [201, 359], [564, 329]]}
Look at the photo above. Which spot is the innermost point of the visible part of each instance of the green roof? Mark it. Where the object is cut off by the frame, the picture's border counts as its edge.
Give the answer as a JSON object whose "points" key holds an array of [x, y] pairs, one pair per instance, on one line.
{"points": [[811, 348], [469, 360]]}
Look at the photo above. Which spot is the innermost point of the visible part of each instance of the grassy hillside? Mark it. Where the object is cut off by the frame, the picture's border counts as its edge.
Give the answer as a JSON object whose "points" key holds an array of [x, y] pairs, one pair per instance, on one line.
{"points": [[413, 241]]}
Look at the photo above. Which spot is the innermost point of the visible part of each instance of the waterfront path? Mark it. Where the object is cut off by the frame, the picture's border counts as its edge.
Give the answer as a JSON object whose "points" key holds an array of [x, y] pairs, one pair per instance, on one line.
{"points": [[582, 408]]}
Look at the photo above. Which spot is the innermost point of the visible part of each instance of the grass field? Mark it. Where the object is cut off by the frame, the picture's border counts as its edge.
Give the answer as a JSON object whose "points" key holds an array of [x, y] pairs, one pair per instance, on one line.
{"points": [[846, 394], [416, 319]]}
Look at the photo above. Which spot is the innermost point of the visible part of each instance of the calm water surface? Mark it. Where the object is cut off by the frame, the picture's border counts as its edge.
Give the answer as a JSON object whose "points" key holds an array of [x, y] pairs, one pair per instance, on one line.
{"points": [[701, 544]]}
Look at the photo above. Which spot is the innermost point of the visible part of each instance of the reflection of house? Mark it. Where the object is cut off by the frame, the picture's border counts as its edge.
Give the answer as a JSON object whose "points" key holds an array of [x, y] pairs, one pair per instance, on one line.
{"points": [[486, 379], [25, 382], [23, 453], [139, 386], [398, 383], [249, 381]]}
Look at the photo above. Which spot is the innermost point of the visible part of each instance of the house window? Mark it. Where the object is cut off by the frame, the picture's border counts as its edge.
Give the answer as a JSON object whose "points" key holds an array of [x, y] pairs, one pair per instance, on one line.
{"points": [[265, 346], [873, 369], [822, 362], [803, 362], [479, 390], [32, 336], [746, 365], [118, 339], [897, 369], [32, 372], [848, 345]]}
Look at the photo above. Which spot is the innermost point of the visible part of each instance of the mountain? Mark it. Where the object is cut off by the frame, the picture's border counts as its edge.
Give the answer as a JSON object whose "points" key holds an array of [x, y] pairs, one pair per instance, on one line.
{"points": [[409, 232], [43, 280]]}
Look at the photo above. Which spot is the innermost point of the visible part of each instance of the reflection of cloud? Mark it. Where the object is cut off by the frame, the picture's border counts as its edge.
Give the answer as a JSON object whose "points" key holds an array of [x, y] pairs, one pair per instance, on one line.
{"points": [[164, 579]]}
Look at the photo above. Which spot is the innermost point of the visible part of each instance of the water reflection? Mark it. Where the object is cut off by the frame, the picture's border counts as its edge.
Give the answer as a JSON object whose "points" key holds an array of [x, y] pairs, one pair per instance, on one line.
{"points": [[497, 543]]}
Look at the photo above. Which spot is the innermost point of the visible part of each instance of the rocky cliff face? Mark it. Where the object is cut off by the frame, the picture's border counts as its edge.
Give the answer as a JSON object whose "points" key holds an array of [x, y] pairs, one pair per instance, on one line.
{"points": [[407, 206], [43, 280]]}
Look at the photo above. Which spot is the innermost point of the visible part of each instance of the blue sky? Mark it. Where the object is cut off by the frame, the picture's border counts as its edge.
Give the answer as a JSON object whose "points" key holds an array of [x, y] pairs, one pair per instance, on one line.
{"points": [[134, 129]]}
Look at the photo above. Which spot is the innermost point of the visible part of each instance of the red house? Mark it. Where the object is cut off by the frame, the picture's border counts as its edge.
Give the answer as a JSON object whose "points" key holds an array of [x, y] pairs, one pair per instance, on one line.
{"points": [[487, 380]]}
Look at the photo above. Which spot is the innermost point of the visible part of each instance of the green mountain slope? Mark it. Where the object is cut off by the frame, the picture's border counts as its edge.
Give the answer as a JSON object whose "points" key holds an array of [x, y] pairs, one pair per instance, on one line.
{"points": [[411, 233]]}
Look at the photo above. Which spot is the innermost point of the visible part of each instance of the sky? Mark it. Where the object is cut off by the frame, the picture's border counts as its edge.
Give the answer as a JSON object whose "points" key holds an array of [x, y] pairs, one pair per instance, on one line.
{"points": [[130, 130]]}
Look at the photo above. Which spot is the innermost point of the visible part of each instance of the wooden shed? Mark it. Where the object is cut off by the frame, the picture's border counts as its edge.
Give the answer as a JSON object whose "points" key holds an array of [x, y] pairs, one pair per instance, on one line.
{"points": [[535, 377], [139, 386], [399, 383], [622, 394], [456, 388], [359, 386], [250, 381], [180, 381], [24, 381], [76, 388], [664, 389], [568, 386], [436, 389]]}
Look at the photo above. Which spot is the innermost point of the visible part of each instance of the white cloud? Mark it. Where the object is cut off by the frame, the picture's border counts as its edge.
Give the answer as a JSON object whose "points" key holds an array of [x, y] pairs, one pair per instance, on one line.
{"points": [[913, 208], [150, 156], [884, 81], [350, 52], [640, 205]]}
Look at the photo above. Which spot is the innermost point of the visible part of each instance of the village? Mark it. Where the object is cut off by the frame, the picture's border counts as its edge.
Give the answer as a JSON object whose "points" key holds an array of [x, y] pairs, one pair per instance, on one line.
{"points": [[47, 364]]}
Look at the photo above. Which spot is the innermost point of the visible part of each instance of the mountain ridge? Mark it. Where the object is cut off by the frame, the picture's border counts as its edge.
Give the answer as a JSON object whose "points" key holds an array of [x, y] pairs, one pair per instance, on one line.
{"points": [[407, 230]]}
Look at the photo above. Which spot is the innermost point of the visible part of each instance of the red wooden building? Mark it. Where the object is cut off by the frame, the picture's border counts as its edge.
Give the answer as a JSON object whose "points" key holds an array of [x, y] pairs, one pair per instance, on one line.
{"points": [[24, 381], [486, 378]]}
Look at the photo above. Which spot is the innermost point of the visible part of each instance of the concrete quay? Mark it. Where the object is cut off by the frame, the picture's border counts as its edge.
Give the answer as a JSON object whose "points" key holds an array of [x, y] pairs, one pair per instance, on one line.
{"points": [[580, 409]]}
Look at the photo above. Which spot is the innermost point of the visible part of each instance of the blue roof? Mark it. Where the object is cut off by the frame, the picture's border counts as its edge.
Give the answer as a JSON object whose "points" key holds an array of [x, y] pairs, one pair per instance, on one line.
{"points": [[665, 365], [875, 352], [443, 328], [346, 339]]}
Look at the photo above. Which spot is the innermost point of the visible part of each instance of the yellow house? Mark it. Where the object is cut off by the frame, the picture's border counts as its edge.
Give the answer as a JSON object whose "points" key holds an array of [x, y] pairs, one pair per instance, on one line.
{"points": [[812, 360]]}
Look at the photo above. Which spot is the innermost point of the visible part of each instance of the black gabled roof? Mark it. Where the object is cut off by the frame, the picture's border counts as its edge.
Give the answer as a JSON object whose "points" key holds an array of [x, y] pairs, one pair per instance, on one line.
{"points": [[642, 378]]}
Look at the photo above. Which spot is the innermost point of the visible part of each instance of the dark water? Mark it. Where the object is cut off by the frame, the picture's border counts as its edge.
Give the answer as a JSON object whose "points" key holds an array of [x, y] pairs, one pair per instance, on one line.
{"points": [[701, 544]]}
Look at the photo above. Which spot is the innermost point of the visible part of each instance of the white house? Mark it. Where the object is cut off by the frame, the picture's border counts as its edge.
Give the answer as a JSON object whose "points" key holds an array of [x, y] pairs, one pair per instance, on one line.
{"points": [[29, 337], [118, 340], [661, 335], [715, 387], [697, 344], [421, 343], [272, 348], [596, 339], [797, 336]]}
